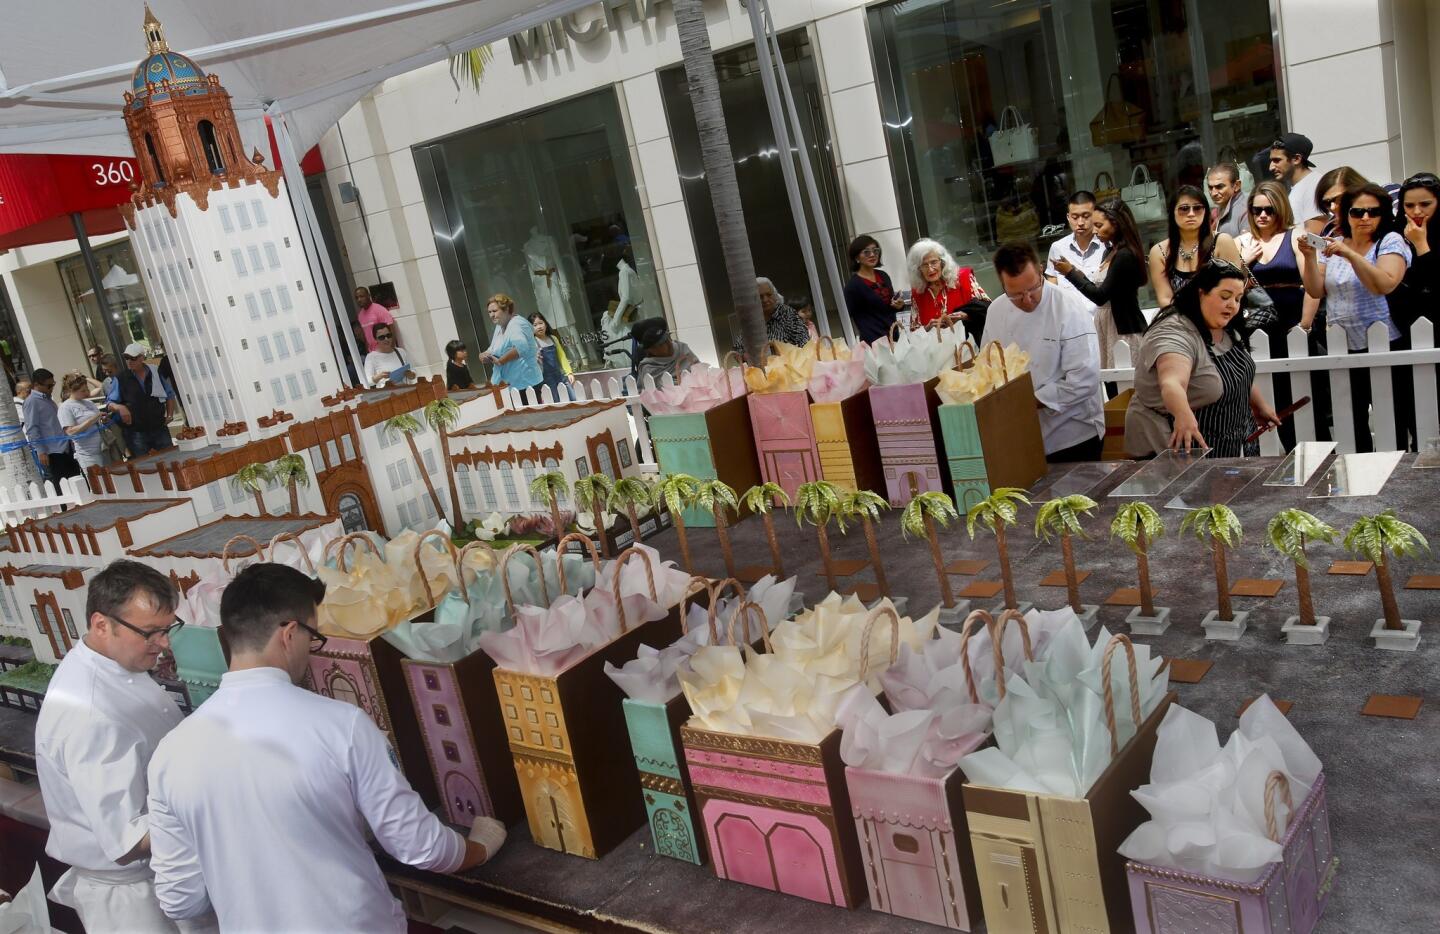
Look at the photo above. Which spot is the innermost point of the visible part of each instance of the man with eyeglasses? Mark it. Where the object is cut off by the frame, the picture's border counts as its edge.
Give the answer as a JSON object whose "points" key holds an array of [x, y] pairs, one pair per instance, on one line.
{"points": [[102, 719], [261, 800], [1057, 330]]}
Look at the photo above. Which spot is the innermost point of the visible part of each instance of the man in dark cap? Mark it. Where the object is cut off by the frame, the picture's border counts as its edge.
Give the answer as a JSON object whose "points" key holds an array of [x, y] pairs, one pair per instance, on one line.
{"points": [[1290, 164], [660, 353]]}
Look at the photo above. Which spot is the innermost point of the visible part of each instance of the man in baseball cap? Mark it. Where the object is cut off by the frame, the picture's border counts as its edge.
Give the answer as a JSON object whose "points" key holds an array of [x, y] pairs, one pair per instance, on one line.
{"points": [[1290, 164], [659, 352], [145, 402]]}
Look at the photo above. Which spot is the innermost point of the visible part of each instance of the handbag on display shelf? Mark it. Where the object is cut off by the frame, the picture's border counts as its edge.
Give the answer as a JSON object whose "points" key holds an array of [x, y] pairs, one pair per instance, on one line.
{"points": [[1247, 180], [1107, 190], [1144, 196], [1014, 140], [1119, 121], [1016, 220]]}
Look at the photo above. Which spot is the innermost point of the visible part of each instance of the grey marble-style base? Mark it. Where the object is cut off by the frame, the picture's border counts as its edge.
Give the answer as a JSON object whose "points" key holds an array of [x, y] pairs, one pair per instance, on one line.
{"points": [[1224, 630], [1024, 606], [1397, 640], [1297, 633], [901, 604], [953, 617], [1156, 625]]}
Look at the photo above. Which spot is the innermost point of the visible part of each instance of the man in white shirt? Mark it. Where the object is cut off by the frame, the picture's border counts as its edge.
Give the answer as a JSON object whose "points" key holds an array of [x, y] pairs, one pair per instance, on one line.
{"points": [[1290, 164], [101, 722], [1057, 330], [1081, 247], [387, 363], [261, 800]]}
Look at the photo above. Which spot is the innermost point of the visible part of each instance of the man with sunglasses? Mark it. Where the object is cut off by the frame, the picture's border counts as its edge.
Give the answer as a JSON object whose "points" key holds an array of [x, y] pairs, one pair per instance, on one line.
{"points": [[260, 802], [102, 720]]}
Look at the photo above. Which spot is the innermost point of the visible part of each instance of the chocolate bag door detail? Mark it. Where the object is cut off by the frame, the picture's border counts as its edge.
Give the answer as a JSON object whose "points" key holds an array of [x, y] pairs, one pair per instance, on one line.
{"points": [[964, 454], [664, 783], [784, 439], [907, 426], [845, 442]]}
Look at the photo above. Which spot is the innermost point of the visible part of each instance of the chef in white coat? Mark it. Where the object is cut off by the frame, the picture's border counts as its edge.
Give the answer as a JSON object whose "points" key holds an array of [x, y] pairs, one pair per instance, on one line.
{"points": [[102, 720], [1057, 329], [260, 801]]}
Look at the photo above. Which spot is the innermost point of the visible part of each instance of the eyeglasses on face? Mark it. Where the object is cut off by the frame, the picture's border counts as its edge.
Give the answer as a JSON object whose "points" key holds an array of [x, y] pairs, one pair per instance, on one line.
{"points": [[1225, 266], [383, 336], [1357, 213], [1189, 209], [317, 641], [932, 264], [1026, 293], [870, 251], [1260, 210], [149, 635]]}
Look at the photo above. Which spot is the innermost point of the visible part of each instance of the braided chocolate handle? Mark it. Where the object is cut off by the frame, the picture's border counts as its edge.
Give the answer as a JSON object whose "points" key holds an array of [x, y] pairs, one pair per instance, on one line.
{"points": [[465, 553], [649, 577], [886, 608], [960, 361], [990, 350], [1119, 639], [505, 575], [716, 589], [893, 334], [343, 558], [420, 568], [725, 372], [743, 610], [560, 556], [242, 537], [822, 341], [1277, 782], [997, 636], [304, 552], [967, 629]]}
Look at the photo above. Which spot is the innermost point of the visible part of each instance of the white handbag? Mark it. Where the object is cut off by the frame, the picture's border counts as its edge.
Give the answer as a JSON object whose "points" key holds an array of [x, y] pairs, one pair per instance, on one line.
{"points": [[1014, 140], [1144, 196]]}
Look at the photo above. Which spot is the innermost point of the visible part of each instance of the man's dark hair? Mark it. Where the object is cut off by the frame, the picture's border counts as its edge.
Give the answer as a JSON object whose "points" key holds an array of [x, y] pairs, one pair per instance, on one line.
{"points": [[375, 329], [113, 587], [1231, 170], [41, 375], [452, 348], [1081, 197], [261, 599], [1012, 258]]}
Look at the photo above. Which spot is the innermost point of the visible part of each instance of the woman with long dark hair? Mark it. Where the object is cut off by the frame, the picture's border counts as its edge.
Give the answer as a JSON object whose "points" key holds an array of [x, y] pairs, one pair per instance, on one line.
{"points": [[1189, 243], [1354, 274], [1419, 292], [1194, 377], [869, 295], [1123, 275]]}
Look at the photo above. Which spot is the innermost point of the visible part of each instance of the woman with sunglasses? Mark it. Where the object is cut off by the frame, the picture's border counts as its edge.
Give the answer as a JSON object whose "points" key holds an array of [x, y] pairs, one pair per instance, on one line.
{"points": [[1189, 244], [1354, 274], [870, 297], [1194, 377]]}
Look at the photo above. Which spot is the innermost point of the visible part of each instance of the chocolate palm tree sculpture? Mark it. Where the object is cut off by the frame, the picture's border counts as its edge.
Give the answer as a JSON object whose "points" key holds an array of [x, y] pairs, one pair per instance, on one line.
{"points": [[630, 495], [818, 502], [865, 506], [409, 426], [1138, 525], [253, 478], [1221, 528], [592, 492], [1374, 537], [719, 497], [761, 499], [677, 491], [291, 472], [1061, 517], [441, 415], [1288, 533], [922, 514], [997, 512], [549, 487]]}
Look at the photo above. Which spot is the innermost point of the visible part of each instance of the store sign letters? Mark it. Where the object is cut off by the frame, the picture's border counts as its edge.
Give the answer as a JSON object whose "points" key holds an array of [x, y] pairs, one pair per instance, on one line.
{"points": [[549, 38]]}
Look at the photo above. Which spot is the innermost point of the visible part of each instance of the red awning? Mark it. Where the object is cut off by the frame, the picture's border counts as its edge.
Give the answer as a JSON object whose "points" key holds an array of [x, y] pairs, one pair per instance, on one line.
{"points": [[312, 163], [38, 193]]}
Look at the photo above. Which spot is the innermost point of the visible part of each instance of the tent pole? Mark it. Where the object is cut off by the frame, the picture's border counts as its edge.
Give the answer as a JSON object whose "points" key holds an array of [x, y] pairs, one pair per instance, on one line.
{"points": [[97, 285], [337, 322]]}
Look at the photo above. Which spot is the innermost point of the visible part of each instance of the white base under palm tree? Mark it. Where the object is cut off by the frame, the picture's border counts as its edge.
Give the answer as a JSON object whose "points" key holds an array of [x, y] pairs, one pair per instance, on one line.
{"points": [[1088, 614], [1297, 633], [1142, 625], [953, 617], [1224, 630], [1397, 640], [1024, 606]]}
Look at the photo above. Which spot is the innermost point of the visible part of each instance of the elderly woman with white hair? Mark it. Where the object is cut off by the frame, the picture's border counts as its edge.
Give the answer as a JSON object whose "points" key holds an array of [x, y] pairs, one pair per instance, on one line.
{"points": [[782, 323], [940, 286]]}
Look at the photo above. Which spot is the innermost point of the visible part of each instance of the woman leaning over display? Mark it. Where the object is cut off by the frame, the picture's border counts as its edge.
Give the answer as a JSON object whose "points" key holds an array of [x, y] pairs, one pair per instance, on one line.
{"points": [[1195, 378]]}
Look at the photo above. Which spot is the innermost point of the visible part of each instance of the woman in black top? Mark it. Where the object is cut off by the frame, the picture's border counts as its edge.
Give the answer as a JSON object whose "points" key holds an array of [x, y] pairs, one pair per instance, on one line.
{"points": [[869, 295], [457, 374], [1118, 294], [1190, 241], [1419, 291]]}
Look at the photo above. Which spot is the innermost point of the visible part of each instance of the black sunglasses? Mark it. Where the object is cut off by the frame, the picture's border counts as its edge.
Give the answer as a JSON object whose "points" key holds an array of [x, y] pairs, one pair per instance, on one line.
{"points": [[150, 635], [1420, 178], [1357, 213], [1260, 210], [317, 641], [1190, 209], [1225, 266]]}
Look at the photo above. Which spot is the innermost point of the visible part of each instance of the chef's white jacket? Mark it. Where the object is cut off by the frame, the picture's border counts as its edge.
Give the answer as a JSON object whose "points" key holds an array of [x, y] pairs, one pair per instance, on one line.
{"points": [[259, 804]]}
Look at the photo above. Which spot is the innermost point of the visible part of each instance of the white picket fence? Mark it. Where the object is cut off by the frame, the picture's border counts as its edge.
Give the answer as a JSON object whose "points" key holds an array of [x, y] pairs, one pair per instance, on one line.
{"points": [[40, 499], [610, 388], [1387, 368]]}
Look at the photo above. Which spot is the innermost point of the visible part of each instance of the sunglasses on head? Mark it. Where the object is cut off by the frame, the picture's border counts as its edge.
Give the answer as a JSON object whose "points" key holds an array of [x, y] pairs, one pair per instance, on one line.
{"points": [[1260, 210], [1420, 178], [1357, 213]]}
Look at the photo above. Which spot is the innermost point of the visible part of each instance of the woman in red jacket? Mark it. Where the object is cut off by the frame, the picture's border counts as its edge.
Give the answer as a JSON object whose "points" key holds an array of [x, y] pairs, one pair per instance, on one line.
{"points": [[939, 285]]}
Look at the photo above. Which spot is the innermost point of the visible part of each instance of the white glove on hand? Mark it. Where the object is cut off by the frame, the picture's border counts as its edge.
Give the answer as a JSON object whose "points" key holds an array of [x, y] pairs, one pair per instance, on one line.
{"points": [[489, 833]]}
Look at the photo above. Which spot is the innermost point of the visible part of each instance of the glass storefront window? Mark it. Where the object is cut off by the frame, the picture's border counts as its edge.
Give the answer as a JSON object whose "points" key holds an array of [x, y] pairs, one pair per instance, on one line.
{"points": [[543, 208], [768, 220], [995, 112], [124, 291], [12, 346]]}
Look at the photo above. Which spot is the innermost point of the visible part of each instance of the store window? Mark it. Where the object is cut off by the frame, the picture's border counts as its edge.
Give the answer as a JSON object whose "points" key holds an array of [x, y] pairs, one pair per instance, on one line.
{"points": [[769, 222], [129, 303], [995, 112], [543, 208], [12, 346]]}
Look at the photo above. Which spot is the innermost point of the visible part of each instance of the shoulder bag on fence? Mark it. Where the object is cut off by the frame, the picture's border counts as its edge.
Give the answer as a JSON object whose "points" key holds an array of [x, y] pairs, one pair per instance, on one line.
{"points": [[1119, 121], [1014, 140], [1144, 196]]}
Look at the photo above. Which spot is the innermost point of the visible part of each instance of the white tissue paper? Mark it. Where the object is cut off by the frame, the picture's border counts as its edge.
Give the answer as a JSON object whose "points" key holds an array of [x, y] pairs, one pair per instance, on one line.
{"points": [[28, 912], [915, 356], [1207, 802]]}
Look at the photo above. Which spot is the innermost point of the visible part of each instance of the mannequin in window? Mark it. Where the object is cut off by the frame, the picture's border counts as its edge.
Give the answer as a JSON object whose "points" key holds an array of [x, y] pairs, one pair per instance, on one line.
{"points": [[552, 288], [624, 310]]}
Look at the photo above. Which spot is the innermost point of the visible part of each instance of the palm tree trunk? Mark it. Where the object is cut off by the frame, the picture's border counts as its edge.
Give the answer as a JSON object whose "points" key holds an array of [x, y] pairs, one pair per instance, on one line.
{"points": [[294, 499], [1072, 586], [825, 558], [675, 514], [260, 501], [634, 523], [774, 545], [555, 515], [1387, 597], [1222, 580], [724, 532], [1142, 567], [458, 520], [1005, 576], [1302, 587], [600, 531], [424, 475], [874, 545], [946, 595], [19, 464], [719, 162]]}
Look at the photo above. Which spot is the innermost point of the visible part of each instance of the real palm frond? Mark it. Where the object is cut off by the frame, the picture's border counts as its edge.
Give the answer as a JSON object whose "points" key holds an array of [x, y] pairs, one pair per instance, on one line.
{"points": [[1001, 506], [761, 497], [1062, 516], [1373, 536], [1132, 519], [545, 484], [816, 502], [937, 507], [1290, 529], [1213, 522], [469, 67]]}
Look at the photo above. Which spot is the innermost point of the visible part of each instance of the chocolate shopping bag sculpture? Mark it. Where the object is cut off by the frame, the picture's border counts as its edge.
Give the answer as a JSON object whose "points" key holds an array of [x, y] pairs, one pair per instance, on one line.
{"points": [[780, 416], [845, 442], [907, 422], [991, 439], [199, 658]]}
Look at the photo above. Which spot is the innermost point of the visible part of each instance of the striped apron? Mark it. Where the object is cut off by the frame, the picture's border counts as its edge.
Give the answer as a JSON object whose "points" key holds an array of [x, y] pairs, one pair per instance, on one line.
{"points": [[1227, 422]]}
